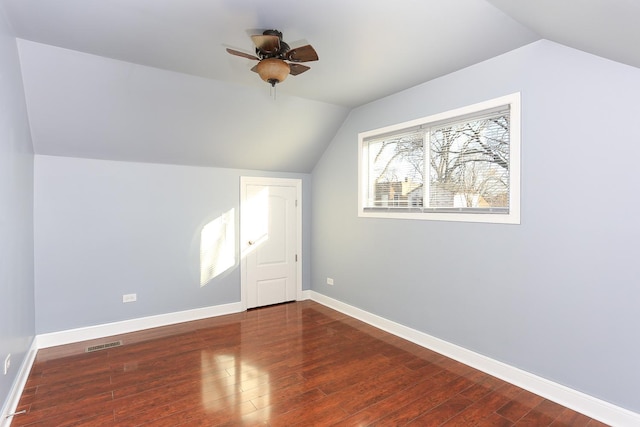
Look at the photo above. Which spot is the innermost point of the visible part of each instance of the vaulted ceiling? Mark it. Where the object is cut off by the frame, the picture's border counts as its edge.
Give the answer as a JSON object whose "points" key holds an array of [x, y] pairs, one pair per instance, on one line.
{"points": [[150, 80]]}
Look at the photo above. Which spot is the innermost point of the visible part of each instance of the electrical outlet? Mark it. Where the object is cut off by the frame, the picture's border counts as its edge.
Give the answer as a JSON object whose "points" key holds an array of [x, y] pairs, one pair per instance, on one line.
{"points": [[7, 363], [129, 298], [329, 281]]}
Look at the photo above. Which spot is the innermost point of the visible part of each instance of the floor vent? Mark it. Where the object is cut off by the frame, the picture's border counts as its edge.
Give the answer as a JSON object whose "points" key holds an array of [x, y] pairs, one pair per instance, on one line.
{"points": [[103, 346]]}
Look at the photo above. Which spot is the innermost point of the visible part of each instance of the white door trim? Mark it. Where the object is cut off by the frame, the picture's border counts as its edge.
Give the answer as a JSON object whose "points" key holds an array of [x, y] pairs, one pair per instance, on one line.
{"points": [[289, 182]]}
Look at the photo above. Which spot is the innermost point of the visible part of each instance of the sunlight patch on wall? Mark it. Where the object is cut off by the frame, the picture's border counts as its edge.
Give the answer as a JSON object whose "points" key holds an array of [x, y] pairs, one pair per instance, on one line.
{"points": [[217, 247]]}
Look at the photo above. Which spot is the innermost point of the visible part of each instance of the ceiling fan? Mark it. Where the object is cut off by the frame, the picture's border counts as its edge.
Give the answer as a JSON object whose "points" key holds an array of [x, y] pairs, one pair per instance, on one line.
{"points": [[273, 53]]}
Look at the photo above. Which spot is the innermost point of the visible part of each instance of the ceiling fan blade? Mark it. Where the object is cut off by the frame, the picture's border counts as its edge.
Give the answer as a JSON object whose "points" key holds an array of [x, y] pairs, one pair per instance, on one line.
{"points": [[296, 69], [302, 54], [242, 54], [267, 43]]}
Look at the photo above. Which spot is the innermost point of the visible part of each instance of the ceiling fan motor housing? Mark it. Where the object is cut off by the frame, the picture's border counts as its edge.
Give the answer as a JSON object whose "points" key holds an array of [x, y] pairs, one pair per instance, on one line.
{"points": [[279, 49], [272, 33]]}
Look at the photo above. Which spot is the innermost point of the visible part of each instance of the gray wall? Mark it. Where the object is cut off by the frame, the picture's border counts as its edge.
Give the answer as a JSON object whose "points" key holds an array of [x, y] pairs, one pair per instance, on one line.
{"points": [[106, 228], [88, 106], [557, 295], [16, 214]]}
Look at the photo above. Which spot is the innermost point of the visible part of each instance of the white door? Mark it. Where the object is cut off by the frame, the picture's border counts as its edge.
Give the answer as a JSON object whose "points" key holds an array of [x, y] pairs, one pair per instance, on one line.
{"points": [[270, 240]]}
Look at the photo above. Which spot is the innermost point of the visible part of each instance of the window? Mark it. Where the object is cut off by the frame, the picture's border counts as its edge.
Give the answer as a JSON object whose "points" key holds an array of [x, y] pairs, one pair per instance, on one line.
{"points": [[462, 165]]}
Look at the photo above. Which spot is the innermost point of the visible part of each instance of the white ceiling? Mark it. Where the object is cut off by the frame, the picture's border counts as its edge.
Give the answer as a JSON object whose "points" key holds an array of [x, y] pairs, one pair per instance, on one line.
{"points": [[368, 49]]}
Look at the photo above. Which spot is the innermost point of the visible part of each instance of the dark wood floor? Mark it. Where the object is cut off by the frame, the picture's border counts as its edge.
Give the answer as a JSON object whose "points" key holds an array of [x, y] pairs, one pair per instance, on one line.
{"points": [[292, 364]]}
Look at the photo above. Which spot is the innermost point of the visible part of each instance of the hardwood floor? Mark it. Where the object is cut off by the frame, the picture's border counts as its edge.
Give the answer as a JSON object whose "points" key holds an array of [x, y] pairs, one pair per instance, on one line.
{"points": [[286, 365]]}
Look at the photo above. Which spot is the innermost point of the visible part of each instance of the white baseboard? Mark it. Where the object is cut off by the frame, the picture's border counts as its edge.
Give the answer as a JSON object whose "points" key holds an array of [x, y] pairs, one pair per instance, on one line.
{"points": [[305, 295], [125, 326], [17, 387], [108, 329], [573, 399]]}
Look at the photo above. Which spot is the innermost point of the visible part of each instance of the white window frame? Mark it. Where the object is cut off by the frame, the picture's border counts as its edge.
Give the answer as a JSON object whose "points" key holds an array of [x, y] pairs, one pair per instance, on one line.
{"points": [[513, 217]]}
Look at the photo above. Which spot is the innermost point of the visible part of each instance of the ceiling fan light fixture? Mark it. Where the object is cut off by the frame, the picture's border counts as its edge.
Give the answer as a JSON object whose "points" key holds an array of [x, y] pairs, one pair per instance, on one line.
{"points": [[273, 70]]}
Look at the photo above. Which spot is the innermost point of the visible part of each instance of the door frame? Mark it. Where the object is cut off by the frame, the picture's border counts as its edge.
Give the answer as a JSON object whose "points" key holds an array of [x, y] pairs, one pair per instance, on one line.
{"points": [[269, 181]]}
